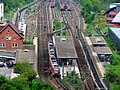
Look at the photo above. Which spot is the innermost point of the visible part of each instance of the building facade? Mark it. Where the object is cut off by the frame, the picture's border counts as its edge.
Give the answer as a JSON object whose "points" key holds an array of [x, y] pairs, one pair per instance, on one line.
{"points": [[1, 10], [111, 12], [10, 37]]}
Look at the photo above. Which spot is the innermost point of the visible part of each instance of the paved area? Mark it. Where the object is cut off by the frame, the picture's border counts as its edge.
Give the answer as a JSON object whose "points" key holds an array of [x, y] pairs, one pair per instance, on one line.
{"points": [[6, 71]]}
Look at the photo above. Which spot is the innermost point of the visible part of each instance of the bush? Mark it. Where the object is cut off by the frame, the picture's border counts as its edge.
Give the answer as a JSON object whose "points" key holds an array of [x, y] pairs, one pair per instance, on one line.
{"points": [[24, 69]]}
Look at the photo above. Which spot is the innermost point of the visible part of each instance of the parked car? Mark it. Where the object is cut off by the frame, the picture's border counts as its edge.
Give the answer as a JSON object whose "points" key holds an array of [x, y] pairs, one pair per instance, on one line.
{"points": [[1, 64]]}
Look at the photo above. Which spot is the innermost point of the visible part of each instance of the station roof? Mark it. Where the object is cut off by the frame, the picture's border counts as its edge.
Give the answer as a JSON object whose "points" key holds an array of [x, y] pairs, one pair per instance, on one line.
{"points": [[102, 50], [116, 31], [65, 47], [97, 40], [116, 18]]}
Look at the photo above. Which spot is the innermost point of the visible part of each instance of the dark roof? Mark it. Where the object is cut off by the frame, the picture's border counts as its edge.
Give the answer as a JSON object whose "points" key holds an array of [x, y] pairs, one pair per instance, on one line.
{"points": [[116, 18], [1, 27], [8, 54], [116, 31], [102, 50], [109, 10], [13, 27], [97, 40], [65, 47]]}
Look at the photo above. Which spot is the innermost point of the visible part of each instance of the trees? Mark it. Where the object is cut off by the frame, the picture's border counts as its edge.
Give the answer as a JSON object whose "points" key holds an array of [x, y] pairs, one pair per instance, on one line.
{"points": [[12, 5], [26, 80], [24, 69]]}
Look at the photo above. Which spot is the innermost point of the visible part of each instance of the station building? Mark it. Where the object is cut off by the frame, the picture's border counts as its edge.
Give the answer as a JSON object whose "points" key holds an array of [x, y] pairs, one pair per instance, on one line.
{"points": [[1, 9], [112, 11], [98, 44], [65, 50]]}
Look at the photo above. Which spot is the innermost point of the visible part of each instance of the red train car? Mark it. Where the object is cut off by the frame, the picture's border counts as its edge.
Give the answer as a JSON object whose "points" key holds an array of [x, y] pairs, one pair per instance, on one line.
{"points": [[55, 70]]}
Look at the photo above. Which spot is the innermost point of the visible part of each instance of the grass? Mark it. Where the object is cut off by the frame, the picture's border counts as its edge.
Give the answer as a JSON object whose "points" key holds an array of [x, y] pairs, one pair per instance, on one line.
{"points": [[57, 24], [114, 86]]}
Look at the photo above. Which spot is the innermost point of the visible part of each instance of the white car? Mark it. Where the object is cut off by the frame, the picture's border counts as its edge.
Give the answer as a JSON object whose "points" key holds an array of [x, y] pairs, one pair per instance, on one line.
{"points": [[1, 64]]}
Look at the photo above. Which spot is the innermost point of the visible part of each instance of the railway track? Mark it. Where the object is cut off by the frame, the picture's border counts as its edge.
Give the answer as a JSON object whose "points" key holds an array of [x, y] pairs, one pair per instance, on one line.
{"points": [[89, 73], [43, 57]]}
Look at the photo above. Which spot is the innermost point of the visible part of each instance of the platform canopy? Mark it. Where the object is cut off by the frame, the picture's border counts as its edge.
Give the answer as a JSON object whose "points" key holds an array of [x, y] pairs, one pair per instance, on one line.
{"points": [[102, 50], [97, 40], [65, 47]]}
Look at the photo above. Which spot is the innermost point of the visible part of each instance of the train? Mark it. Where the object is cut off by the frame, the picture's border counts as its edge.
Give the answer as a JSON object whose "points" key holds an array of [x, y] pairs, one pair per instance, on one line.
{"points": [[68, 6], [55, 69], [62, 6], [52, 3]]}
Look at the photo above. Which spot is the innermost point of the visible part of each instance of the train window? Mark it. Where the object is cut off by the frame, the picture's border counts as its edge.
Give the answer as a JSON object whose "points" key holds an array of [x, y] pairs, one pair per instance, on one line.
{"points": [[52, 53], [51, 50], [55, 66], [51, 44]]}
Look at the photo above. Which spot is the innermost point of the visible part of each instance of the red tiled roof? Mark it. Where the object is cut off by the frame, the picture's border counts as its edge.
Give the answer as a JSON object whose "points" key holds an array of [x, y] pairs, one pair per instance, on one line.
{"points": [[109, 18], [109, 10], [13, 27], [112, 13], [1, 27]]}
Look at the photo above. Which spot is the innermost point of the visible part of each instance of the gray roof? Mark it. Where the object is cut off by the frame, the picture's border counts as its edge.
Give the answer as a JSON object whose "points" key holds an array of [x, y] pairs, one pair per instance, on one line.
{"points": [[27, 54], [102, 50], [116, 18], [65, 47], [97, 40], [116, 31], [8, 54]]}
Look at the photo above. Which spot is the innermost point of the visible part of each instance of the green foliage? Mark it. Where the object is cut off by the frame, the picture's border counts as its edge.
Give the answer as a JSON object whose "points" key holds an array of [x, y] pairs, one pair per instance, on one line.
{"points": [[41, 86], [64, 33], [3, 79], [27, 42], [7, 86], [111, 76], [21, 67], [22, 83], [57, 24], [24, 69], [73, 79], [12, 5]]}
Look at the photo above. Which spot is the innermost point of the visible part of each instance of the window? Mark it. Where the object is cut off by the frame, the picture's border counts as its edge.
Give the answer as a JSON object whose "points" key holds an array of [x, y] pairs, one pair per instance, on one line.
{"points": [[8, 37], [14, 45], [14, 37], [2, 37], [8, 30], [2, 45]]}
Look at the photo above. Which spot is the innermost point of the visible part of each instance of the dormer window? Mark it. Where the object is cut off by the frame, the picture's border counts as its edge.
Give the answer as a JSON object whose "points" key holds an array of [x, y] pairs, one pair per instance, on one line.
{"points": [[8, 31], [8, 37]]}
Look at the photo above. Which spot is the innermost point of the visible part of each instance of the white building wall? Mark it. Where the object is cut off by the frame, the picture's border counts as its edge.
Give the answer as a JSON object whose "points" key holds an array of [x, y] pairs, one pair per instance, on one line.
{"points": [[1, 10]]}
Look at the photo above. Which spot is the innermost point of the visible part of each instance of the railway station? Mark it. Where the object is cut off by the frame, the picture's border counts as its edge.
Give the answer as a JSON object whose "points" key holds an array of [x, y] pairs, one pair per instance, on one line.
{"points": [[100, 52], [66, 54], [65, 50]]}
